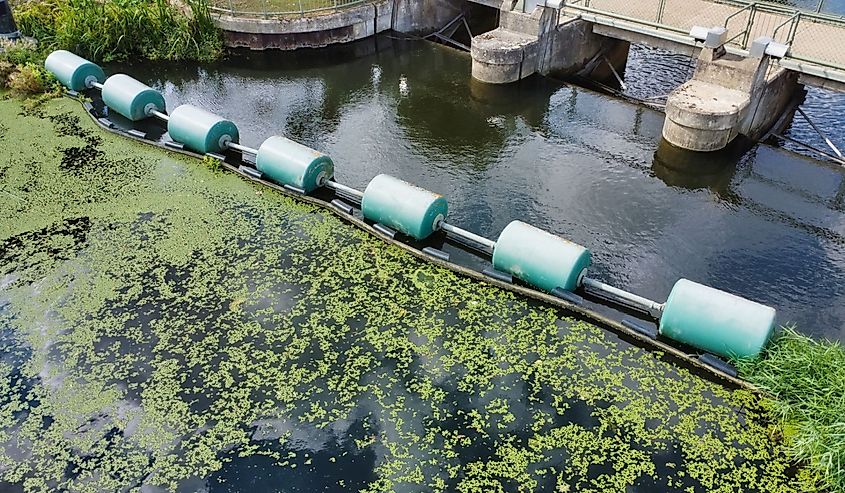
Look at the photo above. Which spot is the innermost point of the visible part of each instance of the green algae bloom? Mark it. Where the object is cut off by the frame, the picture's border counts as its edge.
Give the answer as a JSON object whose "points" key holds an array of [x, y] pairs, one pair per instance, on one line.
{"points": [[167, 326]]}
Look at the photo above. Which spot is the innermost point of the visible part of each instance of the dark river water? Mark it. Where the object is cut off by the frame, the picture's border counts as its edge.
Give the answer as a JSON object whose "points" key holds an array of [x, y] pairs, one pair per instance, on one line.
{"points": [[767, 224]]}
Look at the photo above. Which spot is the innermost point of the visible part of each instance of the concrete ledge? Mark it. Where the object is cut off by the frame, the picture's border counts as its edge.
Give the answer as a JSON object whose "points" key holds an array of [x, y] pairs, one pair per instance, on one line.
{"points": [[501, 47], [364, 13], [314, 31], [501, 56], [696, 139], [352, 23], [697, 104]]}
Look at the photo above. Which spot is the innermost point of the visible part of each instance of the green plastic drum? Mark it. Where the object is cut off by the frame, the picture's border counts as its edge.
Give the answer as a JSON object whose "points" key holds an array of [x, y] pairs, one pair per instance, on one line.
{"points": [[201, 130], [73, 71], [403, 207], [716, 321], [131, 98], [541, 259], [290, 163]]}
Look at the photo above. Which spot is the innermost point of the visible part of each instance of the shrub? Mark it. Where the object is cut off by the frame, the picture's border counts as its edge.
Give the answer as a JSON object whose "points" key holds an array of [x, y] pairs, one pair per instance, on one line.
{"points": [[31, 79], [109, 30]]}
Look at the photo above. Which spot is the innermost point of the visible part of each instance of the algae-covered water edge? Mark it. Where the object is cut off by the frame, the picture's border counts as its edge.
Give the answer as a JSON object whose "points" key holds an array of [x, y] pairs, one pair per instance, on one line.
{"points": [[167, 327]]}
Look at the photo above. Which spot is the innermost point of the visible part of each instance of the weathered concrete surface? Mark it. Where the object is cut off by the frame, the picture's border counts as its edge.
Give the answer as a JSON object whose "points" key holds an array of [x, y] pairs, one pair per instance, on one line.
{"points": [[525, 44], [501, 56], [727, 96], [343, 26], [575, 45], [703, 116], [422, 16], [769, 102]]}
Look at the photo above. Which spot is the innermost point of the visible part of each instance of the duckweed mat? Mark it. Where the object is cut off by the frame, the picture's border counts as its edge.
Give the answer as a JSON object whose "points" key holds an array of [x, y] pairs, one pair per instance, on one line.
{"points": [[169, 327]]}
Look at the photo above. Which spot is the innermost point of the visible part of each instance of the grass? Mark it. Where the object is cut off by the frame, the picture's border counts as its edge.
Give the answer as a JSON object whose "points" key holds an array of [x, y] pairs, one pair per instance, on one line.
{"points": [[807, 380], [110, 30]]}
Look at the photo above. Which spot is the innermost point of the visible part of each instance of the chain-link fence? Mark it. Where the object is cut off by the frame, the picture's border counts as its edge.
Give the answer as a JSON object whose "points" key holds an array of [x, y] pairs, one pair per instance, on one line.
{"points": [[279, 8], [813, 37]]}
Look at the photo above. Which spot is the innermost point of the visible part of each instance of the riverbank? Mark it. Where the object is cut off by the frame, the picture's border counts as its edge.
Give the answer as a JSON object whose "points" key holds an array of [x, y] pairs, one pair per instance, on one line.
{"points": [[103, 32], [107, 31], [165, 323], [807, 380]]}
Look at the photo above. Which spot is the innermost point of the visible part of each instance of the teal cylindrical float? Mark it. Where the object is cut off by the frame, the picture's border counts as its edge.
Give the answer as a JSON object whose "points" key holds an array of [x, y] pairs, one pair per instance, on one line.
{"points": [[290, 163], [716, 321], [404, 207], [540, 258], [201, 130], [131, 98], [73, 71]]}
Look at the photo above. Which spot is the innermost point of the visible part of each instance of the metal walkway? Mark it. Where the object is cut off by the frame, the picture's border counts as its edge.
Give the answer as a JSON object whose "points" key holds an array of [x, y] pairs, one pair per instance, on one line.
{"points": [[816, 40]]}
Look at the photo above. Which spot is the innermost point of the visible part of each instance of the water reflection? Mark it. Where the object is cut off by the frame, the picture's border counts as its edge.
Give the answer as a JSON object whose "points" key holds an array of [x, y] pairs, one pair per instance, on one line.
{"points": [[678, 167], [586, 166]]}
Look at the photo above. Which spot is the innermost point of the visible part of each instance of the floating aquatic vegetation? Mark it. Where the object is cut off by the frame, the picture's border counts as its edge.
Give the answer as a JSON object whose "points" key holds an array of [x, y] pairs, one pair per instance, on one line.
{"points": [[167, 325]]}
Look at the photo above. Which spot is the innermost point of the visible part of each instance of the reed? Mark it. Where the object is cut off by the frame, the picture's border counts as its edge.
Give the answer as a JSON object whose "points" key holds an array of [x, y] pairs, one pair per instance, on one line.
{"points": [[114, 30], [806, 379]]}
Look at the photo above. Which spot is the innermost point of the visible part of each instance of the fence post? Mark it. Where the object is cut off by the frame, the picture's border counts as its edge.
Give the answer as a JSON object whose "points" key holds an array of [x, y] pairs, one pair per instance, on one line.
{"points": [[301, 10], [660, 9], [819, 8], [793, 29], [748, 25]]}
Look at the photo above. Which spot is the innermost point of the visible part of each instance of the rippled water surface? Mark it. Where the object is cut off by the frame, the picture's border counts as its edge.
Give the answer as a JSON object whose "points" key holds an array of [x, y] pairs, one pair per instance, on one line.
{"points": [[165, 326], [767, 224]]}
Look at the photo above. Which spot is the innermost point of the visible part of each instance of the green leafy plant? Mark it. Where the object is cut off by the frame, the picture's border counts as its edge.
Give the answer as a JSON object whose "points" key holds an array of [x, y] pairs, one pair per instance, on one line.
{"points": [[112, 30], [31, 79], [212, 164]]}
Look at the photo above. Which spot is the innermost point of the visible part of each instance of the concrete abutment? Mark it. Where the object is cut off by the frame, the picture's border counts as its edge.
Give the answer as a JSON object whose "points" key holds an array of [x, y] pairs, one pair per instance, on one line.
{"points": [[342, 26], [728, 95], [525, 44]]}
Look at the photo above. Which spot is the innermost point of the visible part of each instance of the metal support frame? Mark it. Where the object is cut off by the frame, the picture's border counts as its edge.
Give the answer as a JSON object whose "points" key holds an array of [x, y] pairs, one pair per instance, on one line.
{"points": [[615, 74], [744, 32], [798, 62], [821, 134], [793, 24], [161, 116], [651, 307], [344, 190], [487, 244], [242, 148]]}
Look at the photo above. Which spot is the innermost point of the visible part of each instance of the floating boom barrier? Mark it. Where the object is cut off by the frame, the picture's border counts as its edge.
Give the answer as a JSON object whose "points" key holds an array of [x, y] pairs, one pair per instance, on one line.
{"points": [[710, 320]]}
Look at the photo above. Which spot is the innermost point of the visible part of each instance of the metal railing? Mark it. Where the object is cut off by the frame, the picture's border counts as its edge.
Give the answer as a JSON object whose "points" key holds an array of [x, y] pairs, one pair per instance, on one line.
{"points": [[279, 8], [815, 38]]}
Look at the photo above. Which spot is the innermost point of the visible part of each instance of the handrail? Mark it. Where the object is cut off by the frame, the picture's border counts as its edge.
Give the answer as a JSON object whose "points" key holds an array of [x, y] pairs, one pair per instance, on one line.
{"points": [[749, 6], [748, 23], [816, 59], [791, 21]]}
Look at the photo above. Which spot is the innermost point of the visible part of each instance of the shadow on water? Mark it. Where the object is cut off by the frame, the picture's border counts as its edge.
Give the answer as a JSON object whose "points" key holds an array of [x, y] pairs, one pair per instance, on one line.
{"points": [[690, 170]]}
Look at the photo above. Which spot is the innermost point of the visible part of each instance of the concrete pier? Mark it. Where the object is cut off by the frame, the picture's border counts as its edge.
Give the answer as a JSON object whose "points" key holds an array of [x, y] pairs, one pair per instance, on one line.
{"points": [[537, 42], [728, 96]]}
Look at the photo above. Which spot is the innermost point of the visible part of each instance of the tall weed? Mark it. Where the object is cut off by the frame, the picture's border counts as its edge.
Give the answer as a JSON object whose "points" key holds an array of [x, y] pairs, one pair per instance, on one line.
{"points": [[806, 379], [112, 30]]}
